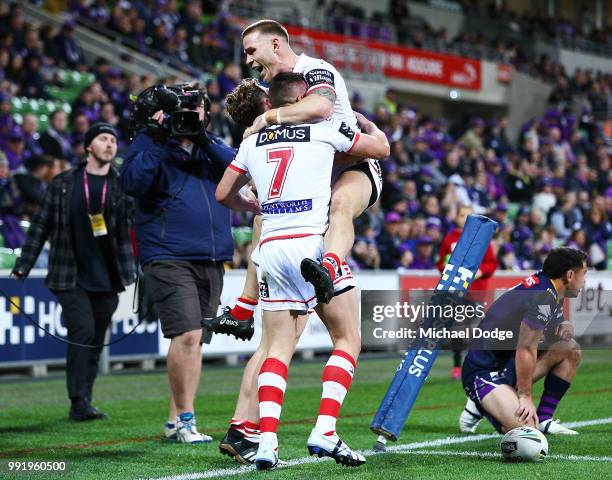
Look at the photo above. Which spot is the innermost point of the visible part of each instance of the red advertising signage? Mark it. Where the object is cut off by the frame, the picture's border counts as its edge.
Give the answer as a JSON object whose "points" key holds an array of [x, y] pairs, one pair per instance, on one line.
{"points": [[504, 73], [365, 56]]}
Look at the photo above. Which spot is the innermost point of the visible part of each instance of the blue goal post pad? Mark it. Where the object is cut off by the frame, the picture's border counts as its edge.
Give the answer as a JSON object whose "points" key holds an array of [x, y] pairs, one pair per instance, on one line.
{"points": [[417, 362]]}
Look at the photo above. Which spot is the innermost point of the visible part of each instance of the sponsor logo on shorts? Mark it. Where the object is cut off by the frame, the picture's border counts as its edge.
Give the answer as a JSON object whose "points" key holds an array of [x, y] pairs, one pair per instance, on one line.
{"points": [[288, 133], [289, 206], [264, 291], [319, 76]]}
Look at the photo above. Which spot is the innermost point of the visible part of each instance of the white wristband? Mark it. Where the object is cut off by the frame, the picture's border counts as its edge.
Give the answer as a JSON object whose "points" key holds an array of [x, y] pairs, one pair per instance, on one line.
{"points": [[278, 116], [263, 116]]}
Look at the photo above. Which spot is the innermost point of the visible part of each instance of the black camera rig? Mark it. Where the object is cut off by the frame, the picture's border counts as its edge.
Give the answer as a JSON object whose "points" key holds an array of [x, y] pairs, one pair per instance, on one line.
{"points": [[179, 104]]}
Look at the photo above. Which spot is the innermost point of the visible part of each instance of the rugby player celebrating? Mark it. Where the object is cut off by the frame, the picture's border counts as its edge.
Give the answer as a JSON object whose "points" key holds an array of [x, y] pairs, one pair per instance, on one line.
{"points": [[294, 221]]}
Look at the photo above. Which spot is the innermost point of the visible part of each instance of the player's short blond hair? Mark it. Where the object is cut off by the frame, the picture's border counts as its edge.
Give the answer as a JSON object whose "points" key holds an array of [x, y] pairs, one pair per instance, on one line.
{"points": [[266, 26]]}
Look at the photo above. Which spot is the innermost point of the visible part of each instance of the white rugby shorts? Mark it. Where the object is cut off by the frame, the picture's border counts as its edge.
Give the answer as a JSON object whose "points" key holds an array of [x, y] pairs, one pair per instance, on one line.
{"points": [[281, 285]]}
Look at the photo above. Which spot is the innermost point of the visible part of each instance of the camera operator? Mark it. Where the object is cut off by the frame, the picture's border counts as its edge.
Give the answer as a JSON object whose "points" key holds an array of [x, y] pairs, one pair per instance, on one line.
{"points": [[172, 167]]}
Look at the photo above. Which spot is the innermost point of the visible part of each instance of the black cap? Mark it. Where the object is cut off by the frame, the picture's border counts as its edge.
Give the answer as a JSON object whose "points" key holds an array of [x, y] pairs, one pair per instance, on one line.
{"points": [[97, 129]]}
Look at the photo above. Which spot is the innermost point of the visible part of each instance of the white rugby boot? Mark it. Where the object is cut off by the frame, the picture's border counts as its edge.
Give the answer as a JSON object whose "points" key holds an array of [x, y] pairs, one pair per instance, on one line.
{"points": [[469, 418], [331, 446], [267, 453], [554, 427]]}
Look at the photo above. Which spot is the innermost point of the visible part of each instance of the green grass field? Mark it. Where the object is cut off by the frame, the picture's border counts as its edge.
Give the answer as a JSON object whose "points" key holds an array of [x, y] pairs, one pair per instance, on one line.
{"points": [[34, 427]]}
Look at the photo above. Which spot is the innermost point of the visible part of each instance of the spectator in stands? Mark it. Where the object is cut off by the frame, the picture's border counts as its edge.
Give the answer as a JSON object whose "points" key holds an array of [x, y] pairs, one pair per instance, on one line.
{"points": [[507, 258], [6, 119], [16, 26], [598, 230], [69, 49], [32, 183], [108, 115], [474, 136], [497, 138], [91, 258], [183, 238], [389, 101], [10, 205], [423, 256], [80, 126], [229, 78], [15, 71], [419, 156], [56, 140], [32, 137], [191, 19], [15, 147], [32, 44], [566, 217], [33, 83], [520, 181], [47, 36], [388, 241], [114, 87], [90, 101], [365, 254]]}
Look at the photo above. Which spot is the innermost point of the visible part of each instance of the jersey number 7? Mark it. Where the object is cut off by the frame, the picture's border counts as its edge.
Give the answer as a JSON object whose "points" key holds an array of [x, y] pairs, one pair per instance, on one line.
{"points": [[282, 158]]}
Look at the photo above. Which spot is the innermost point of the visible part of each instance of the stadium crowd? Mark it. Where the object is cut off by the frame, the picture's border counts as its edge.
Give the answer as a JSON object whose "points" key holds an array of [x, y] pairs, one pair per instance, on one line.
{"points": [[551, 186]]}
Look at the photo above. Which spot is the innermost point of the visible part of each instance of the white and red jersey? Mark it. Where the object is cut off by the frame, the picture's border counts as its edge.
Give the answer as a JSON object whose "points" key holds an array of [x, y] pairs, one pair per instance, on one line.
{"points": [[291, 166], [321, 74]]}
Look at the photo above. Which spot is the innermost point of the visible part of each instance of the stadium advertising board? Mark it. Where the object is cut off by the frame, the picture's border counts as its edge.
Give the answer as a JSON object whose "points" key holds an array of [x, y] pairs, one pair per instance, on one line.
{"points": [[402, 63], [21, 342]]}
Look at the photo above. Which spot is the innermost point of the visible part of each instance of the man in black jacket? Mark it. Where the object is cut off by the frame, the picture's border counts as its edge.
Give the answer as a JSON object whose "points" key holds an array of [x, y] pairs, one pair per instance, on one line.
{"points": [[85, 216]]}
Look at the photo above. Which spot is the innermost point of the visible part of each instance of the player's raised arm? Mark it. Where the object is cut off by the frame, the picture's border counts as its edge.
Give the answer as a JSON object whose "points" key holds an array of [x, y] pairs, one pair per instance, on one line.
{"points": [[356, 144], [228, 191], [372, 142], [313, 108]]}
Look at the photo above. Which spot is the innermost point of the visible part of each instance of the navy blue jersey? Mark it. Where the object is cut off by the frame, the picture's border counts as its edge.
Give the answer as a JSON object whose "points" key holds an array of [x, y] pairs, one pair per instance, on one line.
{"points": [[534, 301]]}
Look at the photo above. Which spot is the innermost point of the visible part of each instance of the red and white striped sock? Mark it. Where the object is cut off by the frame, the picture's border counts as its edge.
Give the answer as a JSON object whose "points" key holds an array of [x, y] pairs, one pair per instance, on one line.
{"points": [[332, 263], [337, 377], [271, 385], [244, 308]]}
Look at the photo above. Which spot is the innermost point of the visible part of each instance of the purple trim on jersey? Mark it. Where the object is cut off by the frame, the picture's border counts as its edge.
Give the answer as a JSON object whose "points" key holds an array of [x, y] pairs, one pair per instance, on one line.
{"points": [[482, 389], [533, 323]]}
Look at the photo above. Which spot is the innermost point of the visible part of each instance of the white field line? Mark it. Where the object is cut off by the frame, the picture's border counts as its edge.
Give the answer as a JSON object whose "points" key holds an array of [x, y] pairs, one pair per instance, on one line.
{"points": [[406, 448], [451, 453]]}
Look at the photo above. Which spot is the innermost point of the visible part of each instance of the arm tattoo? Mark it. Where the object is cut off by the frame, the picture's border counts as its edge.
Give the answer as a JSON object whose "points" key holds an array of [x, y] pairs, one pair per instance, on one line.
{"points": [[327, 93]]}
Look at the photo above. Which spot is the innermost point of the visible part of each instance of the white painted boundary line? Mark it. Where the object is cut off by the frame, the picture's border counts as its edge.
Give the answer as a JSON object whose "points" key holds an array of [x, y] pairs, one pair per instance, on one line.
{"points": [[451, 453], [407, 448]]}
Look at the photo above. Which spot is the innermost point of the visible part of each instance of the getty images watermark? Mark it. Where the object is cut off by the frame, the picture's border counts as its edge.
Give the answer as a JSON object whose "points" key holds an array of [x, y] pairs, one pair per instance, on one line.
{"points": [[444, 318]]}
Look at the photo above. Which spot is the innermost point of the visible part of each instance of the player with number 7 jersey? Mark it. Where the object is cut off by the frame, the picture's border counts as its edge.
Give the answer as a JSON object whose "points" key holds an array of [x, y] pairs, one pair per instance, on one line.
{"points": [[291, 167]]}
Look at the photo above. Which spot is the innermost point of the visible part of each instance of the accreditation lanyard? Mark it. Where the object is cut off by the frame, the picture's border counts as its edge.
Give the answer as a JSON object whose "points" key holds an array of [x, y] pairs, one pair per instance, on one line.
{"points": [[98, 225]]}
